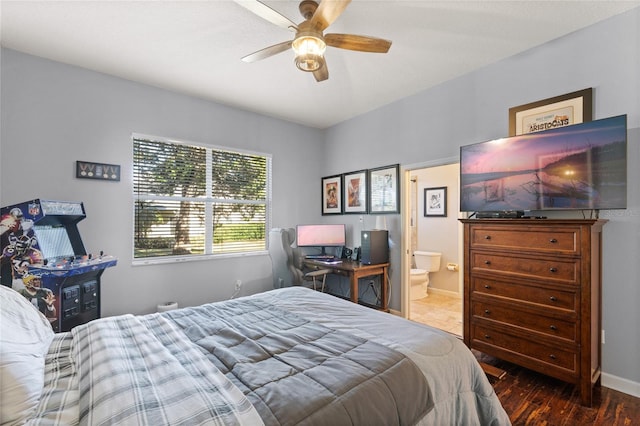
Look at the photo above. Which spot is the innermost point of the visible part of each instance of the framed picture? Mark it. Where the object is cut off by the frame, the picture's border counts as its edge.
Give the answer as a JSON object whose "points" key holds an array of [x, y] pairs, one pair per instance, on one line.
{"points": [[384, 190], [435, 202], [98, 171], [332, 195], [355, 192], [559, 111]]}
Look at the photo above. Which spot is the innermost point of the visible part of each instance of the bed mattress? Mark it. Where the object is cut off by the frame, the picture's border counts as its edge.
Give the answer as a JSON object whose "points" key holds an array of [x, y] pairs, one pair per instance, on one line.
{"points": [[287, 356]]}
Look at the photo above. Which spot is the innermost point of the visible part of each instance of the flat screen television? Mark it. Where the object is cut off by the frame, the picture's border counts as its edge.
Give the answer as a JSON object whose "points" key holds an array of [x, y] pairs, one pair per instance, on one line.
{"points": [[321, 236], [582, 167]]}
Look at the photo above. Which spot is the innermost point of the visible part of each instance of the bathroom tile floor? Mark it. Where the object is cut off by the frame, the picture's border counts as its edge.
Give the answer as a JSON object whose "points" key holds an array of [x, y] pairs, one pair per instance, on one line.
{"points": [[439, 310]]}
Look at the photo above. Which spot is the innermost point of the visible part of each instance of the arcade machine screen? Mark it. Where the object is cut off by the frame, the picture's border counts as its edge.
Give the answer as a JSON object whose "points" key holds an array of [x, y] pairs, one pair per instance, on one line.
{"points": [[44, 259], [54, 240]]}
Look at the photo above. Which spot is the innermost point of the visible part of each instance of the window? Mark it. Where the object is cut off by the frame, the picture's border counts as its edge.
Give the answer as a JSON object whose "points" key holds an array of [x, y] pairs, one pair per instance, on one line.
{"points": [[196, 200]]}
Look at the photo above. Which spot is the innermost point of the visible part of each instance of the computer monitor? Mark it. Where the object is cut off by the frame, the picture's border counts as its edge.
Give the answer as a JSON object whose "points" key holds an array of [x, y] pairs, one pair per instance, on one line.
{"points": [[321, 236]]}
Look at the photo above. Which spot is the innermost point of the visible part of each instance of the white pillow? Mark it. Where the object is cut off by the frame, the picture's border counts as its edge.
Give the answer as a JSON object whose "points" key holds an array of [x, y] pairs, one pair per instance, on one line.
{"points": [[25, 336]]}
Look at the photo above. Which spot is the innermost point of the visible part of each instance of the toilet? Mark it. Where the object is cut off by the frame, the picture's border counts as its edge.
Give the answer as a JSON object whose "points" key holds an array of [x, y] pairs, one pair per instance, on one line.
{"points": [[426, 261]]}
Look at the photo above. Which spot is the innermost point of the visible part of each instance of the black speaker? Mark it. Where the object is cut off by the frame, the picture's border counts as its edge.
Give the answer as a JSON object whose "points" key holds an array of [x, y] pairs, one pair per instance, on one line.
{"points": [[355, 255], [374, 247], [346, 253]]}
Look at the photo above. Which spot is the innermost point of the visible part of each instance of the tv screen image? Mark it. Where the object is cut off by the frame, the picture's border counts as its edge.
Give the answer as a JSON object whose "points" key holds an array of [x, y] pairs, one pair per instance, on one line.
{"points": [[583, 166], [321, 235]]}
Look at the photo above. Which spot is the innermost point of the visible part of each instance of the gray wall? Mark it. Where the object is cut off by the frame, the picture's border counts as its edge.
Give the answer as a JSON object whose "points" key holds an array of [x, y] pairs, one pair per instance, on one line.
{"points": [[473, 108], [53, 115]]}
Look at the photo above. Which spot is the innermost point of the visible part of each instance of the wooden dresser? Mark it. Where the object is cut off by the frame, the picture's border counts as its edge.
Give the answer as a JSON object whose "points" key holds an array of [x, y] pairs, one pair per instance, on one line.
{"points": [[532, 295]]}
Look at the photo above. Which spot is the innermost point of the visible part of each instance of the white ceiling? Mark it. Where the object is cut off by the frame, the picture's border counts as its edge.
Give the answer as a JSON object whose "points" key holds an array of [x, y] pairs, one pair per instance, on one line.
{"points": [[194, 47]]}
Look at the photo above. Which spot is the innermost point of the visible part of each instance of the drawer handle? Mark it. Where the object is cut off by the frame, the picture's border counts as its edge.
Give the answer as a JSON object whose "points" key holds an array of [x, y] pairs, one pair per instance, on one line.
{"points": [[487, 237], [486, 336], [487, 262], [553, 298], [487, 286], [552, 269], [553, 241], [553, 327], [486, 311], [552, 356]]}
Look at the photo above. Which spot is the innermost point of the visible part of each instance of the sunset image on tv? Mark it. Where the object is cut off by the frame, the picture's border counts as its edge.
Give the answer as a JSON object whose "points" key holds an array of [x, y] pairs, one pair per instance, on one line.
{"points": [[583, 166]]}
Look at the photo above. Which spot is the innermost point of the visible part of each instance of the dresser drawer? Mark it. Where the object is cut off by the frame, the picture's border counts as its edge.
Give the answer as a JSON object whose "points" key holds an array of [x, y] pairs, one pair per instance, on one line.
{"points": [[565, 271], [543, 355], [564, 329], [537, 239], [532, 295], [548, 297]]}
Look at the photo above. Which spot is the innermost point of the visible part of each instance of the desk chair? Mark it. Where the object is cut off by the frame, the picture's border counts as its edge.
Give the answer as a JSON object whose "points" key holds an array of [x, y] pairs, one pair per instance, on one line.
{"points": [[315, 274], [286, 262]]}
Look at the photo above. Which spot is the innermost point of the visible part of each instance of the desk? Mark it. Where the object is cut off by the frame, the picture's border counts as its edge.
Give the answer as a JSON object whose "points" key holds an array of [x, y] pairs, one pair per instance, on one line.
{"points": [[355, 271]]}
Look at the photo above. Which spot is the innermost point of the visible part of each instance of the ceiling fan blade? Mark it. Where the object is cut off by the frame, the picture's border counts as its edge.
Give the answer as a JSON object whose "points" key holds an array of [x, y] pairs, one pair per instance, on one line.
{"points": [[358, 42], [268, 51], [265, 12], [322, 74], [327, 12]]}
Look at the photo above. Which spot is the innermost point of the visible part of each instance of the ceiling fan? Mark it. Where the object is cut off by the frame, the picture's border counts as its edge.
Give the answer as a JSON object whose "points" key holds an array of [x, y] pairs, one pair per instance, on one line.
{"points": [[309, 43]]}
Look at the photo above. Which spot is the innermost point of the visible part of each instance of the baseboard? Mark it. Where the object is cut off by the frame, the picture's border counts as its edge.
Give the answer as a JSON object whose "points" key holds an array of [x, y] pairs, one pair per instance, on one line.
{"points": [[445, 292], [620, 384]]}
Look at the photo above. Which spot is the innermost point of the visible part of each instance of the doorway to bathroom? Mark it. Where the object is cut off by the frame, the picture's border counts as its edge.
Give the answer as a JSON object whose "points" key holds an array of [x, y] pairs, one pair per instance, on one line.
{"points": [[433, 228]]}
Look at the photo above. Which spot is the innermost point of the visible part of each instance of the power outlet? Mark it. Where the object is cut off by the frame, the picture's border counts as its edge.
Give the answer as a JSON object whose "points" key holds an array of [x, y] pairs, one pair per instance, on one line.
{"points": [[238, 284]]}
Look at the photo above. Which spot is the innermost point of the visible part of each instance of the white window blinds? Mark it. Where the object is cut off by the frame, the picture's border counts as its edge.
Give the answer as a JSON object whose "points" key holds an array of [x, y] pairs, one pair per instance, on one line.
{"points": [[195, 200]]}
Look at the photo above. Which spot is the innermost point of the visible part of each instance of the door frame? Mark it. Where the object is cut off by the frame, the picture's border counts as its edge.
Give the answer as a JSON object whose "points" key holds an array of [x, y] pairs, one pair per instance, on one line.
{"points": [[405, 223]]}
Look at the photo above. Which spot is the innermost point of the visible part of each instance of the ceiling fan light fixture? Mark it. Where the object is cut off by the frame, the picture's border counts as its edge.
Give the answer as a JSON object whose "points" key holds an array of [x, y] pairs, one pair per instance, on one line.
{"points": [[309, 62], [309, 49], [309, 43]]}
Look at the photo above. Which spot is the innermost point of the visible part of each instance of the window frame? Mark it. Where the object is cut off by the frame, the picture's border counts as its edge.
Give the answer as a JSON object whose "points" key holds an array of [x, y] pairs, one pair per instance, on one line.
{"points": [[209, 202]]}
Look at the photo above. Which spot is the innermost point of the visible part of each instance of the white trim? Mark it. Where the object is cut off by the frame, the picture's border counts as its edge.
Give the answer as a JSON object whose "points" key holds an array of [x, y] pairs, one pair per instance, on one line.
{"points": [[193, 258], [405, 216], [620, 384], [444, 292]]}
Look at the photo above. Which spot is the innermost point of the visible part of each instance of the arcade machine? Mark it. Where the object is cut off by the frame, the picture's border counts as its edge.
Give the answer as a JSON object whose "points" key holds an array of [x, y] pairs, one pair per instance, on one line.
{"points": [[44, 259]]}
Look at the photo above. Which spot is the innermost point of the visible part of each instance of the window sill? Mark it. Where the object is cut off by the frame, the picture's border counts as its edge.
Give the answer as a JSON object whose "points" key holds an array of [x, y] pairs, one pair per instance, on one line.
{"points": [[199, 258]]}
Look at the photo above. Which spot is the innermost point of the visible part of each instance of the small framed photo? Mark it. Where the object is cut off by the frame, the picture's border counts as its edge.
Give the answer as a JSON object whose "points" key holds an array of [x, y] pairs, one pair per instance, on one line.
{"points": [[559, 111], [355, 192], [332, 195], [435, 202], [384, 190], [98, 171]]}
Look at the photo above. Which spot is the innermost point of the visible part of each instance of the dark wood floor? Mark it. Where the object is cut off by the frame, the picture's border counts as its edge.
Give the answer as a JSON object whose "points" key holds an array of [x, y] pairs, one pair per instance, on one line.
{"points": [[534, 399]]}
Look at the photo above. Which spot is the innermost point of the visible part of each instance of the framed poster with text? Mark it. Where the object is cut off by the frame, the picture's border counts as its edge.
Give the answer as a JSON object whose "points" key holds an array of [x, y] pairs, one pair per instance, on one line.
{"points": [[559, 111]]}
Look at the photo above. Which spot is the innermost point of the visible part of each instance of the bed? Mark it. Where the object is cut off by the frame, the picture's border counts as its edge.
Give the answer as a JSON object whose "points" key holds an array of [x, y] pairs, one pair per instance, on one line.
{"points": [[283, 357]]}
